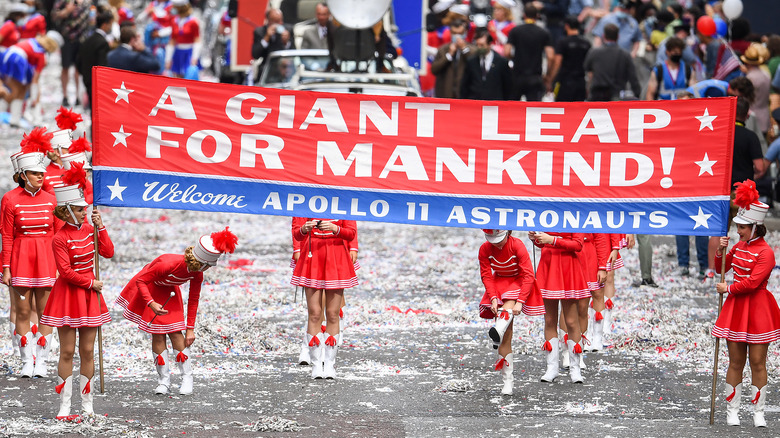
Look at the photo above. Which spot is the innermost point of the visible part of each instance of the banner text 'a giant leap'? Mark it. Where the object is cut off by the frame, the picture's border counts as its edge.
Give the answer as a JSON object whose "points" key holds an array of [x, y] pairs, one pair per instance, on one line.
{"points": [[644, 167]]}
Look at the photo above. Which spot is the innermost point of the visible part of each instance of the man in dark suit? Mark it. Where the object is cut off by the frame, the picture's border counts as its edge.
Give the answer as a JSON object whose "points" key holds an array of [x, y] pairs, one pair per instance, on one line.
{"points": [[487, 75], [132, 54], [272, 37], [94, 50], [450, 61]]}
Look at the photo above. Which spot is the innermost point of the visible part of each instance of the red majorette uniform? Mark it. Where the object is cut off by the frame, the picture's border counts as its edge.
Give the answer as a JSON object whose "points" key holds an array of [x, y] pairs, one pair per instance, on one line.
{"points": [[9, 34], [324, 262], [60, 140], [559, 272], [34, 26], [3, 201], [593, 258], [750, 313]]}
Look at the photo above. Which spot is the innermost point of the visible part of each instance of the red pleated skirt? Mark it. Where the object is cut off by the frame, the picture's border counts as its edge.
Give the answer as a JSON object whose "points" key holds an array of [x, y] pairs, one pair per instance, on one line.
{"points": [[136, 310], [509, 289], [560, 276], [326, 265], [752, 317], [590, 265], [32, 263], [73, 306]]}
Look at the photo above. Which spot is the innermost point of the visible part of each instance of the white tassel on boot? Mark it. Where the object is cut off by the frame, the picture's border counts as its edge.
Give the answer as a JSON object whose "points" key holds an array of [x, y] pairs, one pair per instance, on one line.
{"points": [[315, 353], [163, 372], [42, 348], [503, 321], [507, 366], [14, 339], [303, 356], [330, 350], [185, 367], [85, 383], [552, 349], [758, 398], [65, 389], [575, 352], [26, 353], [733, 396]]}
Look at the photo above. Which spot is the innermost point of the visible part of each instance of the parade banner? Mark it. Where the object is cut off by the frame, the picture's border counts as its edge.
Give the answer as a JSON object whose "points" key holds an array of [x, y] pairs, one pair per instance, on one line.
{"points": [[657, 167]]}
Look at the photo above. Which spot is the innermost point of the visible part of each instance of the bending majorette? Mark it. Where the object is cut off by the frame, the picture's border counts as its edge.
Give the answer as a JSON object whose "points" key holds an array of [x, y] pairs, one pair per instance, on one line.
{"points": [[325, 268], [28, 227], [142, 297], [750, 318], [76, 302], [510, 288]]}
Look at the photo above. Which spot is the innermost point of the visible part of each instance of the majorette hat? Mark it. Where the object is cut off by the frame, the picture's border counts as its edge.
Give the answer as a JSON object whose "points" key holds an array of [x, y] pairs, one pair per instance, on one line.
{"points": [[14, 162], [509, 4], [61, 139], [210, 247], [67, 119], [77, 152], [751, 210], [35, 145], [495, 236], [72, 193]]}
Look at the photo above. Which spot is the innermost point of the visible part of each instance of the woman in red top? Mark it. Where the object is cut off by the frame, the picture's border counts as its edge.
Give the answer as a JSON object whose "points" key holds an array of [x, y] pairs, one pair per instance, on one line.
{"points": [[560, 279], [750, 318], [325, 268], [508, 276], [145, 301], [76, 303], [9, 31], [28, 261], [603, 302]]}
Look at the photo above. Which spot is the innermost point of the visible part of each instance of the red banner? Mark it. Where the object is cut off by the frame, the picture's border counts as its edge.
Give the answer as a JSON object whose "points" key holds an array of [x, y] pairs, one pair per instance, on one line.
{"points": [[651, 167]]}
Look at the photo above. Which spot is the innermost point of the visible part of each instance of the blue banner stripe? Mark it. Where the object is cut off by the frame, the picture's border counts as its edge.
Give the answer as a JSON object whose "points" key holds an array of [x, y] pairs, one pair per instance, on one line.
{"points": [[149, 190]]}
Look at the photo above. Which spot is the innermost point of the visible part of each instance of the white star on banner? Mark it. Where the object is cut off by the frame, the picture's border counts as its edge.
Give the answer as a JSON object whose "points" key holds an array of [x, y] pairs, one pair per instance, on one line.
{"points": [[116, 190], [122, 93], [706, 120], [701, 219], [705, 165], [120, 137]]}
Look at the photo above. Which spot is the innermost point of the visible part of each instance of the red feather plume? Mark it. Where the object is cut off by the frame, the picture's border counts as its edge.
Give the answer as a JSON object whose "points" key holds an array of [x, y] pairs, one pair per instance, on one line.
{"points": [[224, 241], [67, 119], [76, 175], [38, 140], [746, 194], [80, 144]]}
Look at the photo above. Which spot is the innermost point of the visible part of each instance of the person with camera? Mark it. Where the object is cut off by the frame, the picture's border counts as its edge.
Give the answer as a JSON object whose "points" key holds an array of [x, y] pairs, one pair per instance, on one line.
{"points": [[325, 267], [132, 54]]}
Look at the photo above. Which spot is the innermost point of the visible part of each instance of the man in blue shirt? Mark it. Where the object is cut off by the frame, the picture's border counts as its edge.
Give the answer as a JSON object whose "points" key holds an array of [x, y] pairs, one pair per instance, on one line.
{"points": [[628, 28]]}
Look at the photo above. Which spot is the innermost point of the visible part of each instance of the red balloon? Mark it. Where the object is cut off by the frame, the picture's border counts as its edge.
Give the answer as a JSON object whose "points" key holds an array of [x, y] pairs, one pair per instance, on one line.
{"points": [[706, 25]]}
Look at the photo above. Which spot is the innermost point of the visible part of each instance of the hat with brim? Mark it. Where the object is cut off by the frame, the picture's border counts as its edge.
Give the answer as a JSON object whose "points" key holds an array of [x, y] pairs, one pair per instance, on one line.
{"points": [[180, 2], [78, 157], [754, 214], [56, 36], [32, 162], [19, 7], [753, 55], [205, 252], [61, 139], [463, 10], [495, 236], [509, 4], [442, 6], [14, 161], [70, 195]]}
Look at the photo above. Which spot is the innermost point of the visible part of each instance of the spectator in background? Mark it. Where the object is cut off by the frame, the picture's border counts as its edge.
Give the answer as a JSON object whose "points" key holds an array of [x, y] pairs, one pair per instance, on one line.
{"points": [[628, 28], [450, 62], [9, 31], [554, 12], [132, 54], [753, 58], [671, 76], [609, 68], [487, 76], [71, 18], [35, 23], [527, 45], [271, 37], [316, 36], [501, 24], [94, 50], [568, 66]]}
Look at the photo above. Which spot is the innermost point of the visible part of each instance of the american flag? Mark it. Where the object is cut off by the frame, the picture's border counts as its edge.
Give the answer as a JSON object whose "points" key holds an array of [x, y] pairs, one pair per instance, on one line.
{"points": [[728, 63]]}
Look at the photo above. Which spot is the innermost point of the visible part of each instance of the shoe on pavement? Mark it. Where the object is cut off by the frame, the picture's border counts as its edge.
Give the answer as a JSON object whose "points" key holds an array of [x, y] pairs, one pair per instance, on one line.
{"points": [[648, 282]]}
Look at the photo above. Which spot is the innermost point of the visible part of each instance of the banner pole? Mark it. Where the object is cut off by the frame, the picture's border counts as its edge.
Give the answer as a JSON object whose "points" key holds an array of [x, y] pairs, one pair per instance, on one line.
{"points": [[717, 341], [100, 328]]}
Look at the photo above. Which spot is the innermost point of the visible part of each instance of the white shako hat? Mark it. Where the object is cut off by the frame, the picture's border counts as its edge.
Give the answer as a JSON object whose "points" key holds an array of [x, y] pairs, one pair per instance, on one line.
{"points": [[509, 4], [32, 161], [14, 162], [210, 247], [441, 6], [495, 236], [180, 2], [61, 139], [70, 195], [753, 215], [78, 157], [56, 36]]}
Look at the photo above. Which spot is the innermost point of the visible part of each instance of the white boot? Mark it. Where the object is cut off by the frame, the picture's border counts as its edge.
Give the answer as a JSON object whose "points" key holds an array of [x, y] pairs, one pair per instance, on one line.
{"points": [[65, 389], [303, 357], [315, 353], [14, 339], [597, 343], [733, 395], [607, 313], [85, 383], [26, 353], [503, 321], [330, 350], [507, 366], [552, 348], [163, 372], [185, 366], [15, 108], [565, 353], [758, 398], [584, 342], [42, 348], [575, 352]]}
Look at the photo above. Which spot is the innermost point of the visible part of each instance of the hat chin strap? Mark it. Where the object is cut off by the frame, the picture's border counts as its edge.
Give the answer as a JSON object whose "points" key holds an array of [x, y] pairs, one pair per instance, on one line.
{"points": [[73, 216]]}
